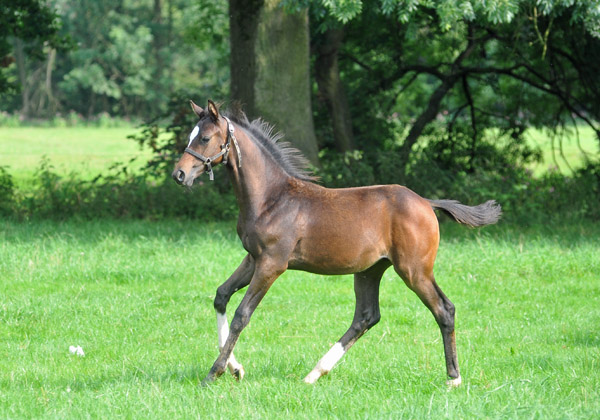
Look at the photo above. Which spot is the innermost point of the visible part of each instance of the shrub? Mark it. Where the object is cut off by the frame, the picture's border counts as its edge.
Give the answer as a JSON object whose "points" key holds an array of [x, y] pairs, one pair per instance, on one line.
{"points": [[499, 174], [138, 196], [6, 193]]}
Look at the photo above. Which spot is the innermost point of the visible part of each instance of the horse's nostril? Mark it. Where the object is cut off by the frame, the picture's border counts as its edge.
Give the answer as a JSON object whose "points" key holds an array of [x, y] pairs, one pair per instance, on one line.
{"points": [[179, 176]]}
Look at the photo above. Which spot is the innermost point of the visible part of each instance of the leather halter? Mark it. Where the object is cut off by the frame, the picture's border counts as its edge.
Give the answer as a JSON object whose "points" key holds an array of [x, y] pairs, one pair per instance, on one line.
{"points": [[224, 151]]}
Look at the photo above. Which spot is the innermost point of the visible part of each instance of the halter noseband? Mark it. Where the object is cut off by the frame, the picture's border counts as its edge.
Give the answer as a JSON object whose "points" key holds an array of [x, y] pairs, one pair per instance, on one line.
{"points": [[224, 151]]}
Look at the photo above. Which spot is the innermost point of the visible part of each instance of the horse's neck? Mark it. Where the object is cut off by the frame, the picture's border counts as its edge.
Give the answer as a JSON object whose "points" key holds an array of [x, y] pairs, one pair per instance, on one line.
{"points": [[259, 178]]}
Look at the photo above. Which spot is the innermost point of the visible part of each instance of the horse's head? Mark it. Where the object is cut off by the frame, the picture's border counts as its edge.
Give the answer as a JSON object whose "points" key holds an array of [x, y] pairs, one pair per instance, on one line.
{"points": [[208, 145]]}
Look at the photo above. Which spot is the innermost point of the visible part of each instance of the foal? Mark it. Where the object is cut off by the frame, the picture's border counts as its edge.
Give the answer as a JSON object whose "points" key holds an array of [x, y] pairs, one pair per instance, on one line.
{"points": [[288, 222]]}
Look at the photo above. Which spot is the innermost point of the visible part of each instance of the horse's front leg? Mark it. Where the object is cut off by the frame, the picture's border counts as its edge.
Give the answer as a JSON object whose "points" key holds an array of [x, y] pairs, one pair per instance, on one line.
{"points": [[266, 271], [238, 280]]}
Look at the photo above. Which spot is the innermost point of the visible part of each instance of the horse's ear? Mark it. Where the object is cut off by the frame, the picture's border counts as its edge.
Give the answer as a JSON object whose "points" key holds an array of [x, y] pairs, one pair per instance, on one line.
{"points": [[196, 108], [213, 111]]}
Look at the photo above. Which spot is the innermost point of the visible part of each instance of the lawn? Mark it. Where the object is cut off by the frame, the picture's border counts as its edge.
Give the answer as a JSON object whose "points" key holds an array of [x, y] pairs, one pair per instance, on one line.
{"points": [[137, 297], [86, 151], [576, 148]]}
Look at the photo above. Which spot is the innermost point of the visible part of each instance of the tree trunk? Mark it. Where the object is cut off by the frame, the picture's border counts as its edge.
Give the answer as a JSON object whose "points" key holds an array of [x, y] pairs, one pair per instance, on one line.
{"points": [[52, 102], [243, 22], [270, 69], [158, 41], [331, 90], [20, 61]]}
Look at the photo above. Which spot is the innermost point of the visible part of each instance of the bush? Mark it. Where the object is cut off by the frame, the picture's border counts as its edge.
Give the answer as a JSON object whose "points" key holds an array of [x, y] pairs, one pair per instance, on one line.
{"points": [[499, 174], [140, 196], [6, 193], [525, 199], [348, 169], [10, 120]]}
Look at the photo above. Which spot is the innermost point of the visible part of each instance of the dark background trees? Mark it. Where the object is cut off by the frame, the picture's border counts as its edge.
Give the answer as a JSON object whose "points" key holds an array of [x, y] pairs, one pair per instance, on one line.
{"points": [[466, 69], [509, 65], [126, 57]]}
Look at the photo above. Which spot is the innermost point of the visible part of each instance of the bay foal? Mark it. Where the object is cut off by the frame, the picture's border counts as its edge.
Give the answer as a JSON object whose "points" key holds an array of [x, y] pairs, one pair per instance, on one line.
{"points": [[286, 221]]}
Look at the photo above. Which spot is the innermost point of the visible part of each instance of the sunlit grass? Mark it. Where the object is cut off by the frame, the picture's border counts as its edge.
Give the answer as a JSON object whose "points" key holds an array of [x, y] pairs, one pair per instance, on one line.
{"points": [[137, 296], [566, 154], [86, 151]]}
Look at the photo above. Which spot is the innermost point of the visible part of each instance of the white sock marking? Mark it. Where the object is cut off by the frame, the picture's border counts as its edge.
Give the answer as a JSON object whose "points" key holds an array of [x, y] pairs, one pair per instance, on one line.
{"points": [[223, 331], [454, 382], [326, 363]]}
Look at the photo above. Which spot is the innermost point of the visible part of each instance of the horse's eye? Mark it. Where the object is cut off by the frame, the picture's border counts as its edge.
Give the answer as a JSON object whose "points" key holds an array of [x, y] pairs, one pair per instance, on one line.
{"points": [[205, 139]]}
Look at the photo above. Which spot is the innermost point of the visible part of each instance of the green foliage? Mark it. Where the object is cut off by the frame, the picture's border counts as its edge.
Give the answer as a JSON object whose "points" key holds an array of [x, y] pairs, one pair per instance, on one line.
{"points": [[348, 169], [343, 10], [496, 169], [9, 120], [525, 199], [491, 63], [450, 13], [124, 192], [114, 59], [130, 58], [6, 192], [116, 195], [32, 21]]}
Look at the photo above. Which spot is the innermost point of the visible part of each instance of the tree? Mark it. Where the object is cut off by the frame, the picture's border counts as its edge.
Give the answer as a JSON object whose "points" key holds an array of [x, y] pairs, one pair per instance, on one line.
{"points": [[472, 64], [270, 68], [326, 47], [33, 28]]}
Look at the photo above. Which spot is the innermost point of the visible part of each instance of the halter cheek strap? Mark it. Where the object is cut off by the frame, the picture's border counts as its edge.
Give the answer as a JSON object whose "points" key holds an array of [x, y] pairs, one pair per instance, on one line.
{"points": [[224, 151], [231, 135]]}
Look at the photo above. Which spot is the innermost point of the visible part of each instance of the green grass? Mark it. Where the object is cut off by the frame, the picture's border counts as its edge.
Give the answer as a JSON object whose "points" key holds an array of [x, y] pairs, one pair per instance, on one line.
{"points": [[137, 296], [574, 152], [87, 151]]}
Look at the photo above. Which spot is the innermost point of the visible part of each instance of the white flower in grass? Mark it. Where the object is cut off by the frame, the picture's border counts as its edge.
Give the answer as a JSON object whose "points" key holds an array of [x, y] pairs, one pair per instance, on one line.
{"points": [[76, 350]]}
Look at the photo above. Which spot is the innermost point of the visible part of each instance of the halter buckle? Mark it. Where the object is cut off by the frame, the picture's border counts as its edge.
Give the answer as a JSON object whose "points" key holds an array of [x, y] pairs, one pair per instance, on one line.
{"points": [[207, 165]]}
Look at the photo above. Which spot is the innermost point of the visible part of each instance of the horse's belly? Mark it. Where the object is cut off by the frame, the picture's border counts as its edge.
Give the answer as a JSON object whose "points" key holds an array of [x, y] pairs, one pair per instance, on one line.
{"points": [[336, 255]]}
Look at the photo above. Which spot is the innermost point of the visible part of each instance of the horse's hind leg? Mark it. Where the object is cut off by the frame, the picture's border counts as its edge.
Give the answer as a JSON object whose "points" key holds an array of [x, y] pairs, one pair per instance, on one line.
{"points": [[431, 295], [238, 280], [366, 315]]}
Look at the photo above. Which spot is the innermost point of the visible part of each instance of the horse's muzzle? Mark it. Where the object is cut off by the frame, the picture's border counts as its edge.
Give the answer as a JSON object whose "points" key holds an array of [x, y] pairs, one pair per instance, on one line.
{"points": [[179, 176]]}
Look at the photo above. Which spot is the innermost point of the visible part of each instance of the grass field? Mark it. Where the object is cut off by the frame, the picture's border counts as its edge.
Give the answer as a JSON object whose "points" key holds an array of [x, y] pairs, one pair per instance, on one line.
{"points": [[137, 297], [86, 151], [574, 152]]}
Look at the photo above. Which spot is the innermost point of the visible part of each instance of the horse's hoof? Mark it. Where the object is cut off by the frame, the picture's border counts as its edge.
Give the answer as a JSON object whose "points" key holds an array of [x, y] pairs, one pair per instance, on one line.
{"points": [[239, 373], [312, 377], [207, 381], [454, 382]]}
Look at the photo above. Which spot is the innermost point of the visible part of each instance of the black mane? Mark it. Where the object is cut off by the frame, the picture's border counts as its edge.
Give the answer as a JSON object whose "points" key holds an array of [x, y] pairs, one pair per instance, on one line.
{"points": [[288, 157]]}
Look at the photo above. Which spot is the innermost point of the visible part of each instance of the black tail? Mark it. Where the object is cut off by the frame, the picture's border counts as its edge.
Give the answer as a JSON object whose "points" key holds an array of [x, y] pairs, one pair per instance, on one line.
{"points": [[484, 214]]}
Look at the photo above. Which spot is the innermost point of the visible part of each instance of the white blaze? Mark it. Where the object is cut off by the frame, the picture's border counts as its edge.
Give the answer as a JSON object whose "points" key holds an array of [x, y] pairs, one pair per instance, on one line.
{"points": [[193, 134]]}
